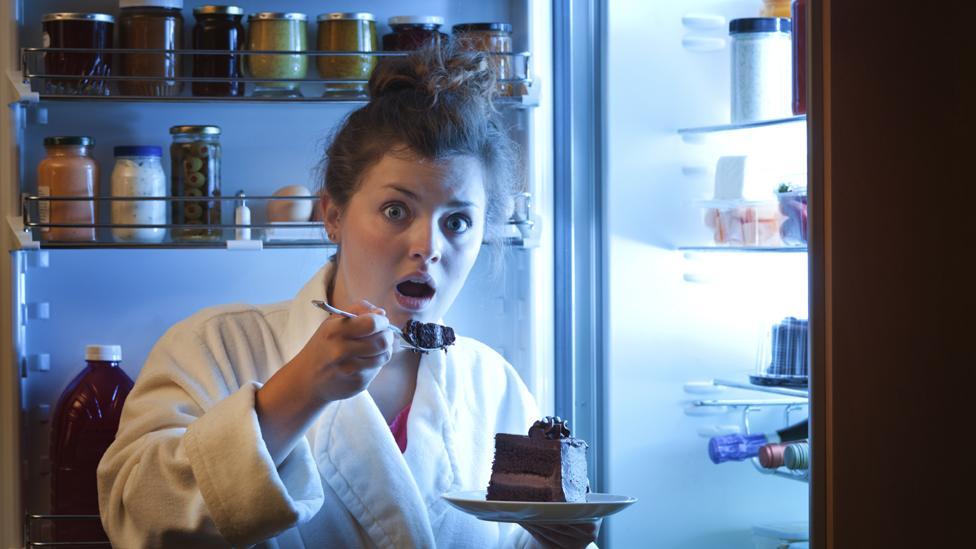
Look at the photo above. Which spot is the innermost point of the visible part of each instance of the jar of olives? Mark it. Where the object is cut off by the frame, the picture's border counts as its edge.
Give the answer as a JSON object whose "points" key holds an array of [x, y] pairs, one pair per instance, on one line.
{"points": [[195, 172]]}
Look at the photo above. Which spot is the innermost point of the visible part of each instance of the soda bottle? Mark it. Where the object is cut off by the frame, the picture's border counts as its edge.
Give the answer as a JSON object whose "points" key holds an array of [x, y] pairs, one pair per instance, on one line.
{"points": [[84, 424]]}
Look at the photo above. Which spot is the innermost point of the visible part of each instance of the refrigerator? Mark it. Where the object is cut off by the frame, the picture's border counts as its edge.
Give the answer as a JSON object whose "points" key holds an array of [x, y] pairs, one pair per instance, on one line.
{"points": [[614, 304]]}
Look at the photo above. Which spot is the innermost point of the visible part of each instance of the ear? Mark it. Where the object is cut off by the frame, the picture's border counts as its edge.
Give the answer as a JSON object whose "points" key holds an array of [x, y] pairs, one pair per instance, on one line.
{"points": [[330, 215]]}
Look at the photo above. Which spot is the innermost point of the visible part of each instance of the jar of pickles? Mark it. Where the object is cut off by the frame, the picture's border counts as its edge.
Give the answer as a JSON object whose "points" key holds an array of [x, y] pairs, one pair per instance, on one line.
{"points": [[218, 28], [272, 31], [411, 32], [496, 39], [346, 32], [195, 172], [77, 30]]}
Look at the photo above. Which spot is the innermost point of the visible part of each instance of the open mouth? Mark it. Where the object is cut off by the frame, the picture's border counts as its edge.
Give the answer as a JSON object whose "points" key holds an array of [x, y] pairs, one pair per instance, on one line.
{"points": [[416, 290]]}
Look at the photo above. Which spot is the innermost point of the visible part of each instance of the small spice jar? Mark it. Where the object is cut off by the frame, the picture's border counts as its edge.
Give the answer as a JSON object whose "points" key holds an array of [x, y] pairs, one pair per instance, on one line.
{"points": [[77, 30], [150, 24], [346, 32], [273, 31], [411, 32], [68, 170], [138, 172], [218, 28], [761, 72], [494, 38], [195, 171]]}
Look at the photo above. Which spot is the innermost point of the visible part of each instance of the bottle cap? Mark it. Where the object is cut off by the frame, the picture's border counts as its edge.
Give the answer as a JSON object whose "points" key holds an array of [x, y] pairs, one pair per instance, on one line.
{"points": [[346, 16], [218, 10], [69, 140], [797, 456], [759, 24], [171, 4], [105, 353], [205, 130], [138, 150], [75, 16], [416, 20], [468, 27]]}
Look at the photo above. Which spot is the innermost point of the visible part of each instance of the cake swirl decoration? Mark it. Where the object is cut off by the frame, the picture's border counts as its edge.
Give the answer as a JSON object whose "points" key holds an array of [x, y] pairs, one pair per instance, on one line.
{"points": [[550, 427]]}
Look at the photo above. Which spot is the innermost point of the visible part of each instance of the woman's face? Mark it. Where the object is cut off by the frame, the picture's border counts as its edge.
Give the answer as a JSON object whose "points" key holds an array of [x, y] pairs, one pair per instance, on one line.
{"points": [[409, 235]]}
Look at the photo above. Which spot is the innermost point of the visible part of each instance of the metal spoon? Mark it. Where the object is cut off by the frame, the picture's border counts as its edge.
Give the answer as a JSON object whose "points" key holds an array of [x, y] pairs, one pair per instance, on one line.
{"points": [[405, 342]]}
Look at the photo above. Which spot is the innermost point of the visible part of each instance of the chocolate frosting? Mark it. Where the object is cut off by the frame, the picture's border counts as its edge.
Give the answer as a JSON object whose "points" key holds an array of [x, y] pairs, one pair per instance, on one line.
{"points": [[550, 427]]}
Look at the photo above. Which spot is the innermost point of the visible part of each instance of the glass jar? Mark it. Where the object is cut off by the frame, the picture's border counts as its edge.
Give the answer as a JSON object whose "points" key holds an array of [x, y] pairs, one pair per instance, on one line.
{"points": [[411, 32], [218, 28], [138, 172], [761, 72], [68, 170], [799, 10], [150, 24], [346, 32], [77, 30], [775, 8], [195, 171], [270, 31], [494, 38]]}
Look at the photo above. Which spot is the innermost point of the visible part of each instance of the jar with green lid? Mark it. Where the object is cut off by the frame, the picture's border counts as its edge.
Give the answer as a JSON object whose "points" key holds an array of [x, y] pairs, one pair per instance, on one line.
{"points": [[195, 171], [272, 31], [346, 32], [496, 39]]}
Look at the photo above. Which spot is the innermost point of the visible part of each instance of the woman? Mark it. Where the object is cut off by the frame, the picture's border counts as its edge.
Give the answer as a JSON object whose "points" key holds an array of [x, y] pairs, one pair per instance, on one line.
{"points": [[282, 426]]}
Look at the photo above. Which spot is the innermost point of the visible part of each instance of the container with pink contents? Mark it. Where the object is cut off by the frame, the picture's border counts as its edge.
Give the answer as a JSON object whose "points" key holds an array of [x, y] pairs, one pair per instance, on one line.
{"points": [[793, 205]]}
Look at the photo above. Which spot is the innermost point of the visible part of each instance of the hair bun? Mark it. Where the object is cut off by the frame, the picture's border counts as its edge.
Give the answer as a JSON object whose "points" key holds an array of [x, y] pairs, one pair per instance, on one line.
{"points": [[434, 72]]}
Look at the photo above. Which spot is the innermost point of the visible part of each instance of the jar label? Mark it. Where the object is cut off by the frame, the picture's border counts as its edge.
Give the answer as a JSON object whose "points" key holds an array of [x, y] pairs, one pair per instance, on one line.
{"points": [[44, 208], [45, 40]]}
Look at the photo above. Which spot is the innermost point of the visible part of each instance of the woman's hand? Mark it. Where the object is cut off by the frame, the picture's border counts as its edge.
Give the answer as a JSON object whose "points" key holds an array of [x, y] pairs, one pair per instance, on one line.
{"points": [[345, 354], [565, 536], [339, 361]]}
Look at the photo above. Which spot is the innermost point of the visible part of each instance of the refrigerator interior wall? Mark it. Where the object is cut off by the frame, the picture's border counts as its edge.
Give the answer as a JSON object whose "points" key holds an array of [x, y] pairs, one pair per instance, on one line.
{"points": [[677, 317], [129, 297]]}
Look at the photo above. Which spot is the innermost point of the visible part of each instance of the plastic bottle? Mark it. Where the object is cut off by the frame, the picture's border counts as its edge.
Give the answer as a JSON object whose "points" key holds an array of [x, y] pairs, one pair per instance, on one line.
{"points": [[741, 447], [84, 424], [242, 216]]}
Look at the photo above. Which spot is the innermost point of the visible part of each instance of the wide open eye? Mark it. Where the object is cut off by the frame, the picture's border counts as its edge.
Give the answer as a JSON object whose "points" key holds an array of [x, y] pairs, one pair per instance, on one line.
{"points": [[395, 212], [458, 223]]}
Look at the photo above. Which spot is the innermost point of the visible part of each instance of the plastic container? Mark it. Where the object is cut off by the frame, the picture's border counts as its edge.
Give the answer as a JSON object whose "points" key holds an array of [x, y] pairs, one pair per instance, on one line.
{"points": [[218, 28], [77, 30], [346, 32], [761, 69], [195, 157], [151, 24], [784, 355], [740, 222], [83, 426], [793, 205], [138, 172], [411, 32], [273, 31], [68, 170]]}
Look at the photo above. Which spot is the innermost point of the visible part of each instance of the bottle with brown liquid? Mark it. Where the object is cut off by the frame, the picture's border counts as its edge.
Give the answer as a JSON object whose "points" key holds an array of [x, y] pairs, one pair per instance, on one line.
{"points": [[84, 424]]}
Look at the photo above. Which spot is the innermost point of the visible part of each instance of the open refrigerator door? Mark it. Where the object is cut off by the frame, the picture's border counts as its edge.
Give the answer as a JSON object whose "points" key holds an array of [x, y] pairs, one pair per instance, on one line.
{"points": [[124, 282]]}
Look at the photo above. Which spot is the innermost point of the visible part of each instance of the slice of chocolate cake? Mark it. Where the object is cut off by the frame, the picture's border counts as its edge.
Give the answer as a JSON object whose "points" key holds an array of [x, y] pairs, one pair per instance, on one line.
{"points": [[428, 335], [546, 465]]}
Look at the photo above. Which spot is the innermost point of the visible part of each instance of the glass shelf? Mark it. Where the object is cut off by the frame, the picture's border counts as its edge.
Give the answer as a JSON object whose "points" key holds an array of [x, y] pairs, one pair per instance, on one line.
{"points": [[743, 249], [745, 126], [803, 392]]}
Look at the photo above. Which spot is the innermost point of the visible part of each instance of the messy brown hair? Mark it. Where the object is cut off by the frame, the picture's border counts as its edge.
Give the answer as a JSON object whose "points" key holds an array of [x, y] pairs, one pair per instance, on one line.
{"points": [[436, 103]]}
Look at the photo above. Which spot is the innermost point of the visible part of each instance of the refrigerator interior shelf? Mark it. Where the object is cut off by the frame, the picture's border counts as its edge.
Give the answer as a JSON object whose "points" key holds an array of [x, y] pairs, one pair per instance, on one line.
{"points": [[689, 132], [742, 249], [802, 475], [788, 391], [41, 81]]}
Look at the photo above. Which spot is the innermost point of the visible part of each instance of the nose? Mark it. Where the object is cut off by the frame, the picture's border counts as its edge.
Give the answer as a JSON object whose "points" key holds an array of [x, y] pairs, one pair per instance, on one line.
{"points": [[426, 242]]}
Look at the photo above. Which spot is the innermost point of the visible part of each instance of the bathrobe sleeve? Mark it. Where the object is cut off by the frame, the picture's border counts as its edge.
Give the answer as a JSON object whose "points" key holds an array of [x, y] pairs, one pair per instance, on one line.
{"points": [[189, 467]]}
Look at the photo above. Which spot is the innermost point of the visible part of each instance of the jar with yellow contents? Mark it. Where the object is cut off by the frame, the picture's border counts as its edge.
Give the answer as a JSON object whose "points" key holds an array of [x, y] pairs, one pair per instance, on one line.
{"points": [[195, 172], [346, 32]]}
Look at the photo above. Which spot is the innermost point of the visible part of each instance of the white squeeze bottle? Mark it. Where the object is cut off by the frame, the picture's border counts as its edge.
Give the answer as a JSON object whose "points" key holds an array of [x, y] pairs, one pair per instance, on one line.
{"points": [[242, 216]]}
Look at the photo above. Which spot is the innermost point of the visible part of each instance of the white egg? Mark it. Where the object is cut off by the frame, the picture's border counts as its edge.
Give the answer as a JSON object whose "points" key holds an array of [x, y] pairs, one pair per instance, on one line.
{"points": [[291, 210]]}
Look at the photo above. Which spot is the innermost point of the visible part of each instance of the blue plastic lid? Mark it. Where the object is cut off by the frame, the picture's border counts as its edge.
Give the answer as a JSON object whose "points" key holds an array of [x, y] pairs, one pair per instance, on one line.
{"points": [[759, 24], [137, 150]]}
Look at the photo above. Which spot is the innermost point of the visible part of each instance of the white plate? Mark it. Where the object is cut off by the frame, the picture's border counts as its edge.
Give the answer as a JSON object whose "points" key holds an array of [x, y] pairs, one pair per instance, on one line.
{"points": [[596, 506]]}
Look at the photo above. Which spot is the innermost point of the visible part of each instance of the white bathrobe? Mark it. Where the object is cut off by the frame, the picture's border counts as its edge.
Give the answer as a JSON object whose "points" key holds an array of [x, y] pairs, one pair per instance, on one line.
{"points": [[189, 467]]}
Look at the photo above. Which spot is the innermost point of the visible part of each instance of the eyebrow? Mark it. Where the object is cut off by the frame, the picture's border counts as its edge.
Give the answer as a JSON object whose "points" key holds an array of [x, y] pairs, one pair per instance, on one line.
{"points": [[413, 195]]}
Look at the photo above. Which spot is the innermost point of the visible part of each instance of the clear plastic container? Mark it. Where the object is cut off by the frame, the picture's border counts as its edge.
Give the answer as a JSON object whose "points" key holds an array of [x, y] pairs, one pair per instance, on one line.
{"points": [[784, 355], [793, 205], [739, 222], [761, 61]]}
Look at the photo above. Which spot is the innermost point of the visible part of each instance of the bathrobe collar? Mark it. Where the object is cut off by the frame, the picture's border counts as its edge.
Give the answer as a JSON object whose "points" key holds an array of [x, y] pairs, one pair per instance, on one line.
{"points": [[357, 455]]}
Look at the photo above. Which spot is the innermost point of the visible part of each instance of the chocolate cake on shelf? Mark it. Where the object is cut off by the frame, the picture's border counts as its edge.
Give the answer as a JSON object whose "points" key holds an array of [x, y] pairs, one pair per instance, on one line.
{"points": [[546, 465]]}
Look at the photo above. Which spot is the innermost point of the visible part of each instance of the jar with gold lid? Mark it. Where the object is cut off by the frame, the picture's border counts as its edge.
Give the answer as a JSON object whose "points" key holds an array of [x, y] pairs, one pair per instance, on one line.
{"points": [[346, 32], [274, 31]]}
